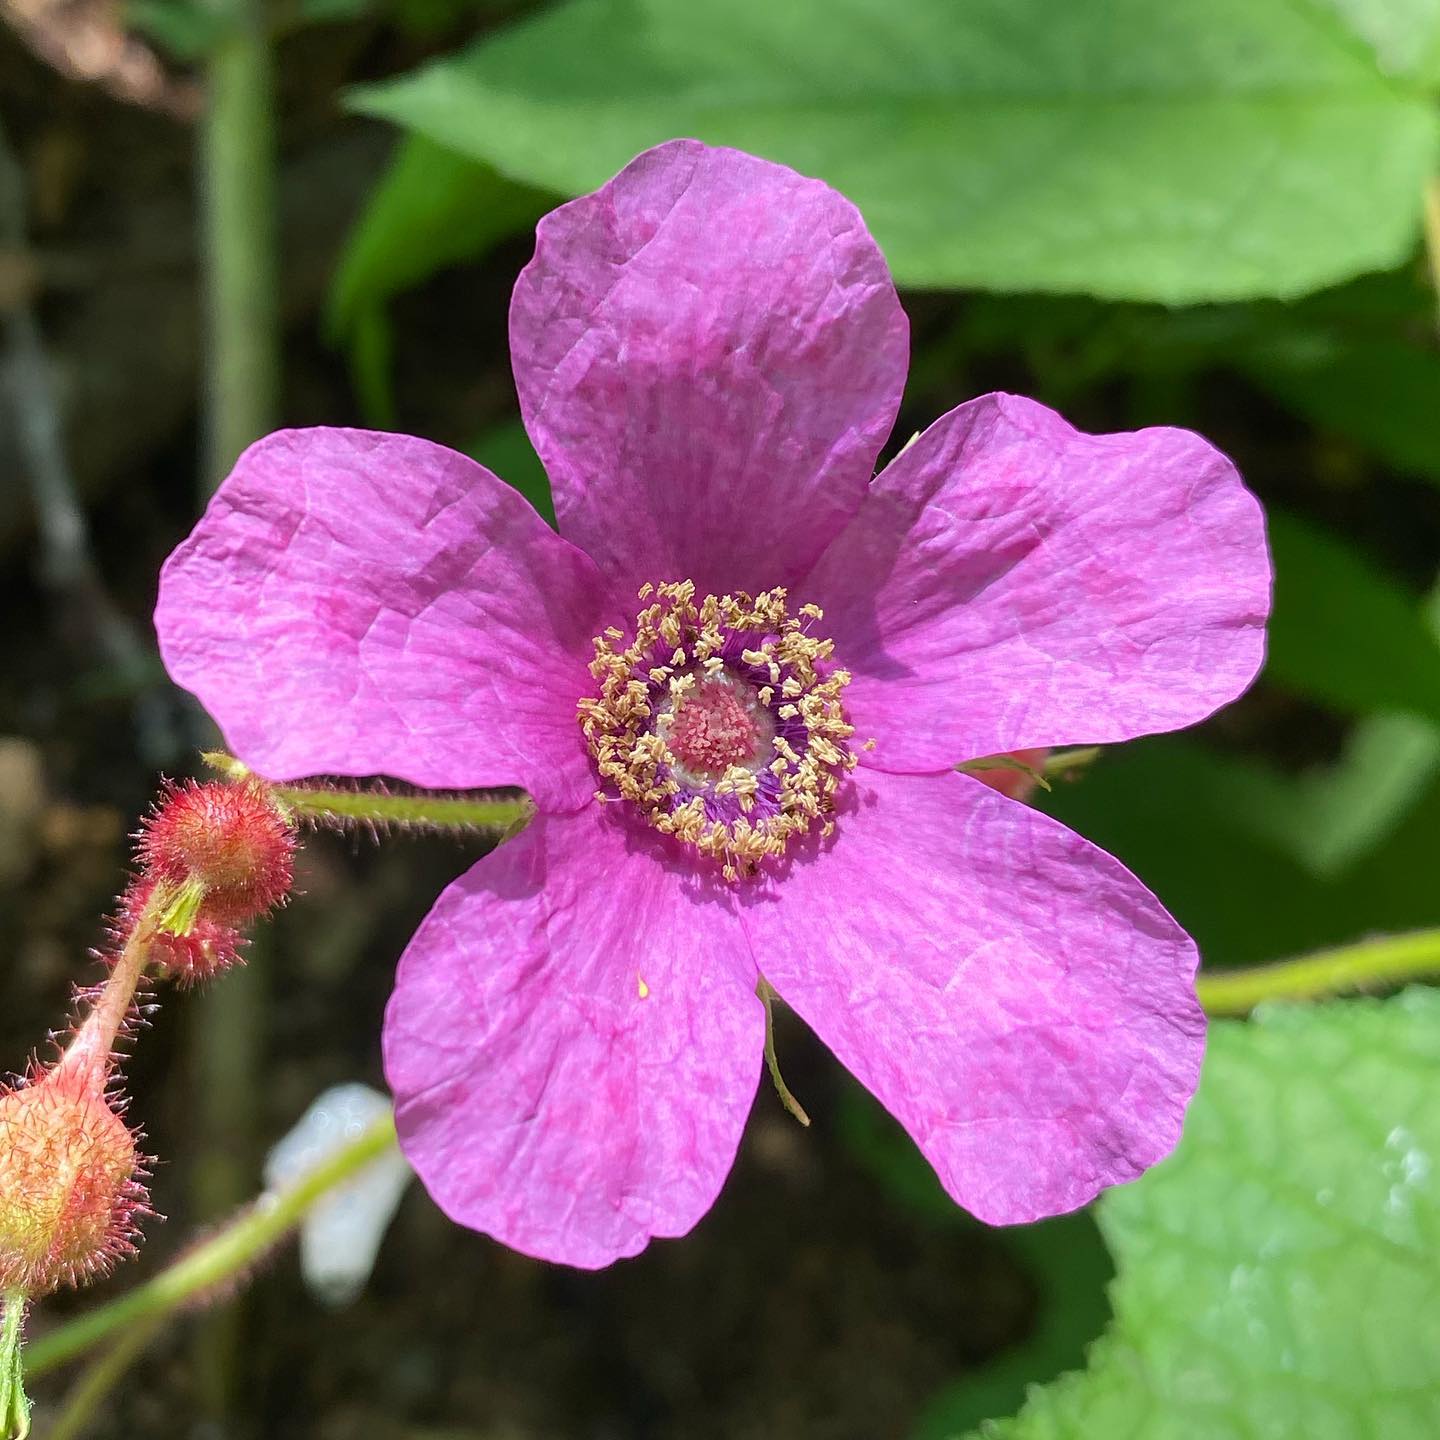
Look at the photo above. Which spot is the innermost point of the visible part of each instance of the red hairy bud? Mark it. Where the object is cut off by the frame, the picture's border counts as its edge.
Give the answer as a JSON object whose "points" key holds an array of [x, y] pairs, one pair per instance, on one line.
{"points": [[70, 1187], [229, 840]]}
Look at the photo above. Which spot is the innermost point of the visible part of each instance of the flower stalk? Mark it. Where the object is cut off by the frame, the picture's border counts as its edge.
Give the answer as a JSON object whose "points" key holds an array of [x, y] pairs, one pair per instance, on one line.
{"points": [[382, 810], [14, 1405], [1370, 965], [228, 1253], [766, 991]]}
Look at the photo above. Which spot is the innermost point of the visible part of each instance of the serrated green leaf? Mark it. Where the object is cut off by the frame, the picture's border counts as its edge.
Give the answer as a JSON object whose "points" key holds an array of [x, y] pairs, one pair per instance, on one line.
{"points": [[1195, 150], [432, 208], [1279, 1275]]}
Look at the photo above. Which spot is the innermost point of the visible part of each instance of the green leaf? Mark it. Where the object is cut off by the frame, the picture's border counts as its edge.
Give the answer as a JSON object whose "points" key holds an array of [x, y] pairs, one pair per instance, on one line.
{"points": [[1404, 34], [1188, 822], [184, 29], [1380, 391], [1333, 816], [1278, 1275], [1342, 632], [1186, 151], [432, 208]]}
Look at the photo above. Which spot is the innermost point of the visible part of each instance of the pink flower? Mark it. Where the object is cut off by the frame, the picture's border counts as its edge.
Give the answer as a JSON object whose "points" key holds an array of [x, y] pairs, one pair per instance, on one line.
{"points": [[710, 353]]}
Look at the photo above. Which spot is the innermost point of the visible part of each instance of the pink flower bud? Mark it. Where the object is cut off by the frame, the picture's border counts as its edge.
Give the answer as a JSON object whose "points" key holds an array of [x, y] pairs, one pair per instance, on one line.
{"points": [[70, 1184]]}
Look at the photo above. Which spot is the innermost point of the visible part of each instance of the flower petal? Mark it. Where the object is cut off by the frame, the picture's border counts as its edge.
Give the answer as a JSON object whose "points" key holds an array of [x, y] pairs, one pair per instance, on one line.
{"points": [[709, 353], [1011, 583], [574, 1042], [356, 603], [1013, 996]]}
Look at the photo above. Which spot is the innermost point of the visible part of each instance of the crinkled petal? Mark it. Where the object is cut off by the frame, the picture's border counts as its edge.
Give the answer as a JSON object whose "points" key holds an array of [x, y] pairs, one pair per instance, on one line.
{"points": [[574, 1042], [1011, 583], [709, 353], [355, 603], [1012, 995]]}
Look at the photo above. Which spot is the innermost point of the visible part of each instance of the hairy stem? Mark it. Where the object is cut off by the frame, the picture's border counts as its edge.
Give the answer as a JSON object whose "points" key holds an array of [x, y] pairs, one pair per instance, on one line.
{"points": [[1371, 964], [14, 1407], [90, 1052], [215, 1264], [322, 804]]}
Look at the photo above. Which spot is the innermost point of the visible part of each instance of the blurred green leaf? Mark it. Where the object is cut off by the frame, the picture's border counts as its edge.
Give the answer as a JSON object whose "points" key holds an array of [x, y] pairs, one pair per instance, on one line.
{"points": [[432, 208], [1184, 819], [1278, 1274], [1404, 34], [1332, 816], [1196, 150], [184, 29], [1382, 392], [1342, 632], [329, 12]]}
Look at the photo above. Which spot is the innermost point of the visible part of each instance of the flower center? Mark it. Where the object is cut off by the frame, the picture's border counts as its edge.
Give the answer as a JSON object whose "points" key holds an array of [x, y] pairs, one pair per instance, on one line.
{"points": [[714, 724], [720, 720]]}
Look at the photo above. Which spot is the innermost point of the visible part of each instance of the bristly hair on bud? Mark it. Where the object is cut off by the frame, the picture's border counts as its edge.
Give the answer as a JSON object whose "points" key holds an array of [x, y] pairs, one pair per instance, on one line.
{"points": [[227, 845], [71, 1183], [186, 944]]}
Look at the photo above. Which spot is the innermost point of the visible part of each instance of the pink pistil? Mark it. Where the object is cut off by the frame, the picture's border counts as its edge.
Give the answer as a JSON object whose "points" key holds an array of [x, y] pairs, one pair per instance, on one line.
{"points": [[712, 730]]}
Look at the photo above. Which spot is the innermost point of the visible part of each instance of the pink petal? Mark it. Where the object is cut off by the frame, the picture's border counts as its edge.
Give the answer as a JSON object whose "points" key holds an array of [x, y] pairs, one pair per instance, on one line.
{"points": [[709, 353], [1011, 994], [574, 1042], [1011, 583], [364, 604]]}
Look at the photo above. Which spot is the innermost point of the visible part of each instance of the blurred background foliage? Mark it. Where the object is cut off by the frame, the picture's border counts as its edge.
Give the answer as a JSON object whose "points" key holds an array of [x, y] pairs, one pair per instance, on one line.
{"points": [[1209, 213]]}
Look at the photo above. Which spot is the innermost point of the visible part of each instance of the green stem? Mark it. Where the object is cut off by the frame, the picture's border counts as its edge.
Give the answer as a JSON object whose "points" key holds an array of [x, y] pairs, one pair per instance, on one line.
{"points": [[239, 244], [100, 1377], [1372, 964], [238, 204], [216, 1263], [766, 991], [329, 805], [14, 1406]]}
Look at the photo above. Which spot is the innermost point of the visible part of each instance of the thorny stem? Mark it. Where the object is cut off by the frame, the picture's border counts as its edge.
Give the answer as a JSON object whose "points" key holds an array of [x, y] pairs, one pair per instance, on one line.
{"points": [[326, 804], [210, 1266], [14, 1407], [766, 992], [1371, 964]]}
